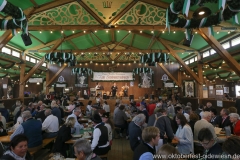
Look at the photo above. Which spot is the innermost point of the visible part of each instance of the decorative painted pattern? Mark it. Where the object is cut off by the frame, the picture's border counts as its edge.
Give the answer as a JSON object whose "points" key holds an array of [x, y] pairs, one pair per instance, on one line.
{"points": [[105, 9], [69, 14], [144, 14]]}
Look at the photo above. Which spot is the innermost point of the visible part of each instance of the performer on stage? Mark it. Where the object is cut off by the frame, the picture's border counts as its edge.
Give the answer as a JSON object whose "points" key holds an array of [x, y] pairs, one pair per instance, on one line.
{"points": [[99, 86], [114, 89], [125, 90]]}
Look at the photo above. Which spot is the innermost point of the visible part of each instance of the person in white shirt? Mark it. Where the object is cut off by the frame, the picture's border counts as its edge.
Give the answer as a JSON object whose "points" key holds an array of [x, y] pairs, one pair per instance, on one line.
{"points": [[106, 107], [109, 124], [100, 143], [89, 108], [98, 99], [98, 86], [50, 125], [77, 126], [184, 135]]}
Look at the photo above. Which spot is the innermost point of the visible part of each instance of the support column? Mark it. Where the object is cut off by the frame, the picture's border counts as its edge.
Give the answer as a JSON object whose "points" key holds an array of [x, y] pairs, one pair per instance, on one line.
{"points": [[47, 79], [180, 89], [200, 75], [22, 74]]}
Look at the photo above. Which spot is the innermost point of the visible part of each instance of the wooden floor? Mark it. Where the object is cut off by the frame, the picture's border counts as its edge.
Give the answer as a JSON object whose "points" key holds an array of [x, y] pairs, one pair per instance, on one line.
{"points": [[120, 151]]}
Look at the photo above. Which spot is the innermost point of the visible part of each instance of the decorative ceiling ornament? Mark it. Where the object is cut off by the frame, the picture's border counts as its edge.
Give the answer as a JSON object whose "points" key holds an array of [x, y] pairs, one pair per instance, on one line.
{"points": [[143, 14], [172, 18], [82, 70], [69, 14], [129, 57], [18, 21], [61, 58], [153, 58], [92, 57], [105, 9]]}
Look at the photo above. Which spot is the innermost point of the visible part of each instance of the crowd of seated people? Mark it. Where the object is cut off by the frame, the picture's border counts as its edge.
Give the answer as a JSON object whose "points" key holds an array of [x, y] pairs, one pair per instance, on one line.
{"points": [[150, 128], [179, 122]]}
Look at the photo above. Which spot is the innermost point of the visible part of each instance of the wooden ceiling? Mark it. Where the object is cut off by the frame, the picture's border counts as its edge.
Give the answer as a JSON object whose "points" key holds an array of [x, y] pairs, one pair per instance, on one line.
{"points": [[95, 28]]}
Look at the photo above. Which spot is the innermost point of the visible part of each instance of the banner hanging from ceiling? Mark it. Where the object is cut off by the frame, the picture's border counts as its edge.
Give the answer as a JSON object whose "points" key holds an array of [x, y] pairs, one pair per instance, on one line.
{"points": [[112, 76]]}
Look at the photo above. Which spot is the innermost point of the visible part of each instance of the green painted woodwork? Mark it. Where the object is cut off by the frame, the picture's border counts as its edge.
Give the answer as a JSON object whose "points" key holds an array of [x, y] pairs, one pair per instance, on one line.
{"points": [[140, 14]]}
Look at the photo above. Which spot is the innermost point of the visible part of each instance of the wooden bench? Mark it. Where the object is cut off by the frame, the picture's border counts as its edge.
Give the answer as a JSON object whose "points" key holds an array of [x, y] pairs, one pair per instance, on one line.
{"points": [[105, 156], [44, 144], [116, 133]]}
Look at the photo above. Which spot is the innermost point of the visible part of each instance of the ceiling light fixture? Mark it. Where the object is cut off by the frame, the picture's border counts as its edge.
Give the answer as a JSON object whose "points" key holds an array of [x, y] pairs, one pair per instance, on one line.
{"points": [[201, 13]]}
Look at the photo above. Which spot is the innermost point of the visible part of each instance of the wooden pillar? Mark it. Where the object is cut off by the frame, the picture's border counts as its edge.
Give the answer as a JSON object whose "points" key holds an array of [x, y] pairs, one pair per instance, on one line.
{"points": [[22, 74], [200, 75], [180, 88], [47, 79]]}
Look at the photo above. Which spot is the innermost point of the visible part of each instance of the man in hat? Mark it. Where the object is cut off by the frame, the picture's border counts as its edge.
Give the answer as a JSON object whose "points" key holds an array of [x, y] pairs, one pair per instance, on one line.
{"points": [[100, 143]]}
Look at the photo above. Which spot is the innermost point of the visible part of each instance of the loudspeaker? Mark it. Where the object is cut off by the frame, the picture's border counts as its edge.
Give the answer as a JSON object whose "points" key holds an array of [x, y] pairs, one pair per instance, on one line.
{"points": [[152, 96], [26, 39], [188, 42], [146, 96], [105, 96], [131, 97]]}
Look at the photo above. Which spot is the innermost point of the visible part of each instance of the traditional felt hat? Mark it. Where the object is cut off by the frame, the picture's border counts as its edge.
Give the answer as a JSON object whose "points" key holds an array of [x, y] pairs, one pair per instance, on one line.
{"points": [[105, 115], [96, 118]]}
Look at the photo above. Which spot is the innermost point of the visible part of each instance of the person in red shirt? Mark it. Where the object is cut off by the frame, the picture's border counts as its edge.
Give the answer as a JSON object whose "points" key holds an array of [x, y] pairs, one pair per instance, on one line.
{"points": [[151, 107], [234, 118]]}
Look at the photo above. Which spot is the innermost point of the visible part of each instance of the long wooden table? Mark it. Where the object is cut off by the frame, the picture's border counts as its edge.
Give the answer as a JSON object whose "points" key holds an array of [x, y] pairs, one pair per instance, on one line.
{"points": [[5, 139]]}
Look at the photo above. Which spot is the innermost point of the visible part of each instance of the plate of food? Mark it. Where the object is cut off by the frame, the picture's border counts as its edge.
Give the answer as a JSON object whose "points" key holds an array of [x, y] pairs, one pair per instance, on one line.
{"points": [[77, 135], [86, 136]]}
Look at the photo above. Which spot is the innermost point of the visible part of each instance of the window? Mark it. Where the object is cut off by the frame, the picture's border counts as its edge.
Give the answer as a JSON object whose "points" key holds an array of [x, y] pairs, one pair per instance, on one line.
{"points": [[195, 58], [191, 60], [205, 54], [27, 58], [187, 62], [6, 50], [37, 61], [16, 54], [226, 45], [212, 51], [235, 41], [32, 60], [44, 64]]}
